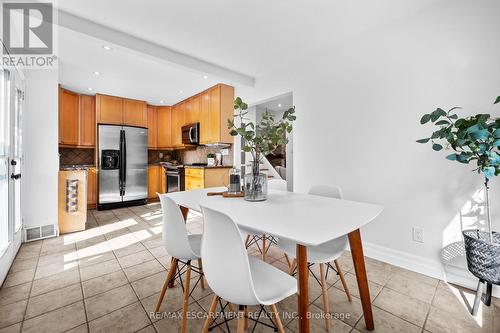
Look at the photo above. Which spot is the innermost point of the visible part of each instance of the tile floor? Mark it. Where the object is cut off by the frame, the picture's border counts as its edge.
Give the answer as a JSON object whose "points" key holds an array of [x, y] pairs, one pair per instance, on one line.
{"points": [[107, 279]]}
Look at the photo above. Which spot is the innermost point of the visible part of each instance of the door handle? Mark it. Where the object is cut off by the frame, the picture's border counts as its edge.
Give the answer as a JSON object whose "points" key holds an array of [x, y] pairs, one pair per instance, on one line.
{"points": [[15, 176]]}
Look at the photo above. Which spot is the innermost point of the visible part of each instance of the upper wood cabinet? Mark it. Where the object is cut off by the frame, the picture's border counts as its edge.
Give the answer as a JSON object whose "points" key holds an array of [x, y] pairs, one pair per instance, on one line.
{"points": [[109, 109], [152, 127], [68, 117], [135, 113], [178, 120], [192, 110], [76, 119], [216, 107], [86, 119], [164, 126]]}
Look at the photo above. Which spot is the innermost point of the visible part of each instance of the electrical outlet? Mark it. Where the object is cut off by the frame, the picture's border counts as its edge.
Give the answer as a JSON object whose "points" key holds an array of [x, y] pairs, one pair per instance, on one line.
{"points": [[418, 235], [160, 155]]}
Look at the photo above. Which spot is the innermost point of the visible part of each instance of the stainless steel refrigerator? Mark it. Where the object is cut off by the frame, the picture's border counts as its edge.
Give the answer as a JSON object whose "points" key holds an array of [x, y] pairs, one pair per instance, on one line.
{"points": [[123, 166]]}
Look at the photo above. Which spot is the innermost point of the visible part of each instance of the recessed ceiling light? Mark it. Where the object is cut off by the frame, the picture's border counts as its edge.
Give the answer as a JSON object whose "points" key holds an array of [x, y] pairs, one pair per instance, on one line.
{"points": [[97, 73], [180, 91], [107, 48], [89, 89], [162, 101], [279, 105], [205, 77]]}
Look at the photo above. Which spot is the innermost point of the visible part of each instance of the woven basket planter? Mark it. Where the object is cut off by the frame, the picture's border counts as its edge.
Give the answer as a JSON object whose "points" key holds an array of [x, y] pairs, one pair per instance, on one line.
{"points": [[483, 257]]}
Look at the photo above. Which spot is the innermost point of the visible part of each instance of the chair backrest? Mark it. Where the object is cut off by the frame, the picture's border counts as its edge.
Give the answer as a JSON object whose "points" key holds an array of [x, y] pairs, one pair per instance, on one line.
{"points": [[175, 235], [326, 191], [276, 184], [225, 260], [340, 243]]}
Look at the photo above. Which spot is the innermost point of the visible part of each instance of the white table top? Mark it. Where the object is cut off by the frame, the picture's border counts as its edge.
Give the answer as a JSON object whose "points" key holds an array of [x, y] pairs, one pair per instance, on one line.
{"points": [[304, 218]]}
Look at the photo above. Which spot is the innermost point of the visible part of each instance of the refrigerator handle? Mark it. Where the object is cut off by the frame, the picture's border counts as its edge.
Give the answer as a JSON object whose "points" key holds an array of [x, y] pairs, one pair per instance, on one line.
{"points": [[124, 165], [122, 160]]}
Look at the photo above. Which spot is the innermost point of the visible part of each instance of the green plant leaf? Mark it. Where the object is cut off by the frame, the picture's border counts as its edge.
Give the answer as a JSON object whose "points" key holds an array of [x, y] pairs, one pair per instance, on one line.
{"points": [[452, 157], [423, 140], [497, 100], [442, 122], [425, 119], [437, 147]]}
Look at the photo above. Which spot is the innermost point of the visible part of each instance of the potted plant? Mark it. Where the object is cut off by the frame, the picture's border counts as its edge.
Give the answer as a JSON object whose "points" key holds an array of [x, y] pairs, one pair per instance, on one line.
{"points": [[474, 139], [260, 139], [210, 159]]}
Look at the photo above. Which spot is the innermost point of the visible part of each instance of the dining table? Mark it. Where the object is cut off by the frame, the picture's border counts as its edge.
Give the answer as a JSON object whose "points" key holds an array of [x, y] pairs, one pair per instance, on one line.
{"points": [[306, 219]]}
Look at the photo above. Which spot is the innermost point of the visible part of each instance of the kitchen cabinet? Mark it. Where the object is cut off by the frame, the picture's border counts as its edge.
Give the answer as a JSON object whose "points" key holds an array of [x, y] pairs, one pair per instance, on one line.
{"points": [[156, 181], [152, 127], [135, 113], [68, 117], [198, 178], [216, 107], [91, 187], [86, 121], [109, 109], [177, 123], [153, 181], [164, 127], [193, 110]]}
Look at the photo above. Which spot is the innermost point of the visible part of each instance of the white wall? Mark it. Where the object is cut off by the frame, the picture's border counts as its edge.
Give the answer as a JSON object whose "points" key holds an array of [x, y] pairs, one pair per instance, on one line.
{"points": [[41, 159], [358, 109]]}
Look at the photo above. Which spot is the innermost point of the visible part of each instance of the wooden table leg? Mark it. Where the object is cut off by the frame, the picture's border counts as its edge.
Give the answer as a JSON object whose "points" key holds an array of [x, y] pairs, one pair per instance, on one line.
{"points": [[358, 260], [303, 273]]}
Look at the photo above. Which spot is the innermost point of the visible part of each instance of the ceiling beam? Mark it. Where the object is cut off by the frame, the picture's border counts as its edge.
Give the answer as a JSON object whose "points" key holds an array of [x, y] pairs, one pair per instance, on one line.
{"points": [[142, 46]]}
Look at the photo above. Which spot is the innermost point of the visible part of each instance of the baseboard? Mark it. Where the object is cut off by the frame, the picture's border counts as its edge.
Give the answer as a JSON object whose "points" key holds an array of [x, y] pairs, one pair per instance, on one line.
{"points": [[433, 268]]}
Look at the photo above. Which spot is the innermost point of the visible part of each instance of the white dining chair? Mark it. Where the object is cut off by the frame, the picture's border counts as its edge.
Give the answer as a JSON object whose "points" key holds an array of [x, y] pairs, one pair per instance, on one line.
{"points": [[238, 278], [184, 249], [322, 254], [266, 241]]}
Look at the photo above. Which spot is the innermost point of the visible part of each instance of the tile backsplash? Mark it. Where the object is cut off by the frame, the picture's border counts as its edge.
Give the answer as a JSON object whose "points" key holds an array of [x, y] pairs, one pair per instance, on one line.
{"points": [[168, 155], [199, 155], [76, 156]]}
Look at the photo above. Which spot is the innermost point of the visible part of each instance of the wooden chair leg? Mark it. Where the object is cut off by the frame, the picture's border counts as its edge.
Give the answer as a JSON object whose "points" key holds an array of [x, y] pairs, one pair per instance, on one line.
{"points": [[246, 241], [210, 316], [186, 299], [168, 280], [277, 318], [246, 317], [240, 328], [173, 266], [263, 247], [342, 279], [287, 260], [202, 282], [292, 266], [324, 292]]}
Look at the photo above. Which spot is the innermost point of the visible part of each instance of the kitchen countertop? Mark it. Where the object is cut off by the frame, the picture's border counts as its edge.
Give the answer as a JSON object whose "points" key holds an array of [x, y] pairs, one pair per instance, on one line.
{"points": [[75, 167], [208, 167]]}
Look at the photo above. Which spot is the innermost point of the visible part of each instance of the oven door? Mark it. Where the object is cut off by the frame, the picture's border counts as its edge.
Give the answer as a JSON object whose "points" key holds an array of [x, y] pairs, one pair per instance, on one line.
{"points": [[173, 181]]}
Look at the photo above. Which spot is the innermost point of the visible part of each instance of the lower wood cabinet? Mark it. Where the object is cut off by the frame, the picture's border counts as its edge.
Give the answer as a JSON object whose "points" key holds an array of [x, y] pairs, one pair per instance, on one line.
{"points": [[91, 187], [198, 178], [156, 181]]}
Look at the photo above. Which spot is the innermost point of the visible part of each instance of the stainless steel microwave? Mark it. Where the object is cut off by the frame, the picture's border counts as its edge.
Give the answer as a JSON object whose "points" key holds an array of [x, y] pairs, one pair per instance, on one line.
{"points": [[191, 134]]}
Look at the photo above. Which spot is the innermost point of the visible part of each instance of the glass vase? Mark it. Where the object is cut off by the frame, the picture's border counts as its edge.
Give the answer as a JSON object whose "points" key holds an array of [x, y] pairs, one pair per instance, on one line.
{"points": [[255, 183]]}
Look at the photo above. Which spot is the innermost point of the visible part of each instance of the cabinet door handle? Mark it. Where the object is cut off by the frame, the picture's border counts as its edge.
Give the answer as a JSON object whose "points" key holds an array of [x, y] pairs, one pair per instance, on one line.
{"points": [[15, 176]]}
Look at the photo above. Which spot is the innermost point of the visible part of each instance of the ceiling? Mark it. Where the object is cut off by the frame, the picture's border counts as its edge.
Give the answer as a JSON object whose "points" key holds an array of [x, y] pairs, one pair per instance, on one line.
{"points": [[251, 38]]}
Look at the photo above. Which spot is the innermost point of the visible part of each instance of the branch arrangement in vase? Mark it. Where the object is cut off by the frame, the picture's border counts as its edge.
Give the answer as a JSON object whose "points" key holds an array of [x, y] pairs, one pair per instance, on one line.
{"points": [[262, 138], [474, 139]]}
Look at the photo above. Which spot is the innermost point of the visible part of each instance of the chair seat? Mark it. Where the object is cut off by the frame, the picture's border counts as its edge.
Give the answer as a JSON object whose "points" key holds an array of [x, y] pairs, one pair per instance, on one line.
{"points": [[320, 254], [271, 285]]}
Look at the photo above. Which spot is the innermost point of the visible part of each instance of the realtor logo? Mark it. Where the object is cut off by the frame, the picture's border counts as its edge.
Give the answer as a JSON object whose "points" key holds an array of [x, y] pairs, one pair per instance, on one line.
{"points": [[27, 27]]}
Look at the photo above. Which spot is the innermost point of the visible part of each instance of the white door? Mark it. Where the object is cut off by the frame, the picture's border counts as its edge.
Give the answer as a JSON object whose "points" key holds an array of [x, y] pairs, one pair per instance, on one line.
{"points": [[11, 160]]}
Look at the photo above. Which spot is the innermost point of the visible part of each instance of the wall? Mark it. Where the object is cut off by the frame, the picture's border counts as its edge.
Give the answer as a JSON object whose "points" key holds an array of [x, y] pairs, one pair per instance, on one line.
{"points": [[41, 161], [358, 109]]}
